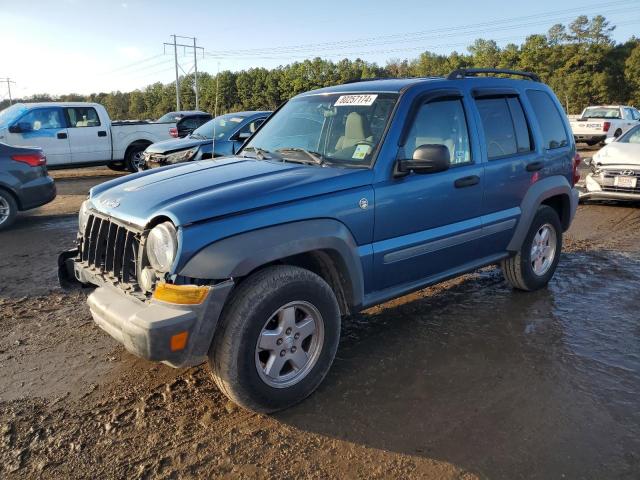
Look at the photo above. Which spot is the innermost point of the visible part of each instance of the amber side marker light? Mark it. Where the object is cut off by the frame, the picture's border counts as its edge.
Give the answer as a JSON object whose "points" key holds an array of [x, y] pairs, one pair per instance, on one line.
{"points": [[179, 341], [180, 294]]}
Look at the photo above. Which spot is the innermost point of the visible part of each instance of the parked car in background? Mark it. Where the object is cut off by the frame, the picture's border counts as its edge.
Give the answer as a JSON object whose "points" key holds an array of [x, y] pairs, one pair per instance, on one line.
{"points": [[186, 121], [231, 131], [615, 169], [597, 123], [74, 134], [24, 182], [390, 186]]}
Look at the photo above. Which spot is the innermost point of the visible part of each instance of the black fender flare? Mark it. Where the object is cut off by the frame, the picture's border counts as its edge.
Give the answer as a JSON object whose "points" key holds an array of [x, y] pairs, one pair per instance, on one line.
{"points": [[239, 255], [535, 196]]}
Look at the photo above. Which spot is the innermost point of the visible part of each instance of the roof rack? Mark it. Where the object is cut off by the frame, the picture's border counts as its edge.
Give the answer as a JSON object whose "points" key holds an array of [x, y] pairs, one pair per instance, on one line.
{"points": [[460, 73]]}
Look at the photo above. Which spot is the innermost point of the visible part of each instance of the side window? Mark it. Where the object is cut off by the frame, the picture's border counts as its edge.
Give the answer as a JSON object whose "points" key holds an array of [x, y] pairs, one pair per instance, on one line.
{"points": [[633, 136], [635, 113], [42, 119], [441, 122], [505, 126], [628, 114], [251, 127], [549, 119], [83, 117]]}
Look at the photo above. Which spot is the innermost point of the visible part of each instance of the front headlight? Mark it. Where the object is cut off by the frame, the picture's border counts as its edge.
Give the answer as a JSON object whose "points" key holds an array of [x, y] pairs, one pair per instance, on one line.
{"points": [[83, 216], [181, 156], [162, 245]]}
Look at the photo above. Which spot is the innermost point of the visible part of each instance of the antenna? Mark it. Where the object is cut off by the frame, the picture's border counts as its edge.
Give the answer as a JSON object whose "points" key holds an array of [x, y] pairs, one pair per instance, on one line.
{"points": [[215, 114]]}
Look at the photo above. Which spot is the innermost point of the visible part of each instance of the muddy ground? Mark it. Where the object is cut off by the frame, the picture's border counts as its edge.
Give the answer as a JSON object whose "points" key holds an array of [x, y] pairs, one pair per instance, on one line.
{"points": [[465, 380]]}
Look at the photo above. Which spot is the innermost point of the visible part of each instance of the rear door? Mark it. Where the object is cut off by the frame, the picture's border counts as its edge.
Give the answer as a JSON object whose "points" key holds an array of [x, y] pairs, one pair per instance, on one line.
{"points": [[429, 224], [511, 163], [89, 140], [43, 127]]}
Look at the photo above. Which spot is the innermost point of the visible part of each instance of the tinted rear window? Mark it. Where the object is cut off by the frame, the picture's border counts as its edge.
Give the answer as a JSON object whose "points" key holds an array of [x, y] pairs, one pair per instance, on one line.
{"points": [[549, 119], [498, 127]]}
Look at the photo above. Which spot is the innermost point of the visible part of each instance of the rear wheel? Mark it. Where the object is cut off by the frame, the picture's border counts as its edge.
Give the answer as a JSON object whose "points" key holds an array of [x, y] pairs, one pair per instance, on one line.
{"points": [[134, 160], [8, 209], [617, 133], [534, 265], [277, 339], [117, 166]]}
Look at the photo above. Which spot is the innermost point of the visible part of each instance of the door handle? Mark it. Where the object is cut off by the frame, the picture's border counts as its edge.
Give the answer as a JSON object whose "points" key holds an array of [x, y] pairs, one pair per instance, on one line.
{"points": [[467, 181], [535, 166], [102, 133], [61, 135]]}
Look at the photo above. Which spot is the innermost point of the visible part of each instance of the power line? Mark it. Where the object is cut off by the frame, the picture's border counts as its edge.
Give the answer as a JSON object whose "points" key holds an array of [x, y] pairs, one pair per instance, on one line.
{"points": [[471, 29]]}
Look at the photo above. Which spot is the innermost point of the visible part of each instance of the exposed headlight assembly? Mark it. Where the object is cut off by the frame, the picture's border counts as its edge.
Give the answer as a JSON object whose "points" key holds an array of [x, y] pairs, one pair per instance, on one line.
{"points": [[161, 247], [83, 216], [181, 156]]}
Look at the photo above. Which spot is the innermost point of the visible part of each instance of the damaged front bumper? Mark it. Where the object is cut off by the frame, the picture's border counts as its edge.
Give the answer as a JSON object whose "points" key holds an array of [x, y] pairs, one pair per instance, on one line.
{"points": [[604, 187], [177, 335]]}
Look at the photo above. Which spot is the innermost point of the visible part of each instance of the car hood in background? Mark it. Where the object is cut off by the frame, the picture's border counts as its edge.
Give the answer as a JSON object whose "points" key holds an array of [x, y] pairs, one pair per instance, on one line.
{"points": [[195, 191], [174, 145], [617, 153]]}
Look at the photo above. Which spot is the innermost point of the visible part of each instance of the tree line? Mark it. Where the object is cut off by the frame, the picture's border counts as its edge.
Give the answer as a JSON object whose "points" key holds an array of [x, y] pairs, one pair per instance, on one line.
{"points": [[580, 61]]}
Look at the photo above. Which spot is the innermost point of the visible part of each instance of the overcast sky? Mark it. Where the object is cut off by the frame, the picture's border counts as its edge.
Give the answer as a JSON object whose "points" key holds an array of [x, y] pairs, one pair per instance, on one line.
{"points": [[88, 46]]}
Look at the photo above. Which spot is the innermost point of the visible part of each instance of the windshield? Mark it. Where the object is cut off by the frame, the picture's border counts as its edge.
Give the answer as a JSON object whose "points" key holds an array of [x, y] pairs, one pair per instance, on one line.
{"points": [[335, 128], [11, 113], [225, 124], [601, 112]]}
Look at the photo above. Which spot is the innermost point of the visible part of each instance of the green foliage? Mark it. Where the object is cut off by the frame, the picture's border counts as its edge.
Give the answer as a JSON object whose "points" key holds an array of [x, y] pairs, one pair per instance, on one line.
{"points": [[579, 61]]}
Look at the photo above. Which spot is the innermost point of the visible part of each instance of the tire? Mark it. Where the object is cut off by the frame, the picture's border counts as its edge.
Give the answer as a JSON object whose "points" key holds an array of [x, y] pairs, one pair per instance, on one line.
{"points": [[8, 209], [519, 270], [238, 363], [617, 133], [134, 155], [591, 143]]}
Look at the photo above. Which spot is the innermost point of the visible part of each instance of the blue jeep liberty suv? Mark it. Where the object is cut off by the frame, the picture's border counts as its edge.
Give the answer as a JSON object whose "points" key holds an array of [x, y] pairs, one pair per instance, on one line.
{"points": [[346, 197]]}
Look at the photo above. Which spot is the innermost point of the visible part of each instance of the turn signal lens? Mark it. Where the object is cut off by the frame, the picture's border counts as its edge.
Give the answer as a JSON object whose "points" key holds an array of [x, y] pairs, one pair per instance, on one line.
{"points": [[179, 341], [180, 294]]}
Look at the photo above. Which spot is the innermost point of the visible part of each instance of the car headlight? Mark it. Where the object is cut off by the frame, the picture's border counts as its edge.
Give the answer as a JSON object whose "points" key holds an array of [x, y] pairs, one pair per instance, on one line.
{"points": [[162, 245], [181, 156], [83, 216]]}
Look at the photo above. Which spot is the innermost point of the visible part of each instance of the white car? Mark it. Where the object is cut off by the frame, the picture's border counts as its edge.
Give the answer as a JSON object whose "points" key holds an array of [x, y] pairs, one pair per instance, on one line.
{"points": [[615, 169], [597, 123], [79, 134]]}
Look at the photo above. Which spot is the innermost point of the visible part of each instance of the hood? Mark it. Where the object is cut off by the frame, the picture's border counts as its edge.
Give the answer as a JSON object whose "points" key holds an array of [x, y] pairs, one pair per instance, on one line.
{"points": [[195, 191], [617, 153], [167, 146]]}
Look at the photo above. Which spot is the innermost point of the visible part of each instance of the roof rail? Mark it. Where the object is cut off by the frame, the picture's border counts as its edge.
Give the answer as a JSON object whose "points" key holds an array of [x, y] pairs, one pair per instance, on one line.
{"points": [[460, 73]]}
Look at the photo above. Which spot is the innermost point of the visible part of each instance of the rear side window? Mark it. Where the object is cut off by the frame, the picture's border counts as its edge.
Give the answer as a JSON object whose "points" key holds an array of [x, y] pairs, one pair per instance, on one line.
{"points": [[83, 117], [505, 126], [549, 119]]}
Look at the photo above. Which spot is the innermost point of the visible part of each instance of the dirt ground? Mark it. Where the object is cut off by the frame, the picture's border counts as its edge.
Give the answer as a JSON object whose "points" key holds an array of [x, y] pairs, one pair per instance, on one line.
{"points": [[464, 380]]}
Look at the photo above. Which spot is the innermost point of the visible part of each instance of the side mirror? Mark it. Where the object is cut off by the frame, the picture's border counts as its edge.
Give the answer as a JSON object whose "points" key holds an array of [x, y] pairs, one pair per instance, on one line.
{"points": [[243, 135], [608, 140], [427, 159]]}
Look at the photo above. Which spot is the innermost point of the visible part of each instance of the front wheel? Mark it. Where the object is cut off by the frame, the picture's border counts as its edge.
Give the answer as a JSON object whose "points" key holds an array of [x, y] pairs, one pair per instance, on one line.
{"points": [[277, 339], [534, 265]]}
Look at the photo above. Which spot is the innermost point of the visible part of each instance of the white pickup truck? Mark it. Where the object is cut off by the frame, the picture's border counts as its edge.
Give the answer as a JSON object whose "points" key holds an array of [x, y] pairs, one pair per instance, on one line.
{"points": [[79, 134], [597, 123]]}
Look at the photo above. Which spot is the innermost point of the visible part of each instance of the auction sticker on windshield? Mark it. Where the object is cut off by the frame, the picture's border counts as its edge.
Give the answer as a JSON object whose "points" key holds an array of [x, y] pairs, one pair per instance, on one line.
{"points": [[355, 100]]}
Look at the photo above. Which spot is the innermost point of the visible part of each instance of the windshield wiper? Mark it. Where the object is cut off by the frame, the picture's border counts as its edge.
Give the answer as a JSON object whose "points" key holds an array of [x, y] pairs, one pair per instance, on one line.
{"points": [[315, 157], [261, 153]]}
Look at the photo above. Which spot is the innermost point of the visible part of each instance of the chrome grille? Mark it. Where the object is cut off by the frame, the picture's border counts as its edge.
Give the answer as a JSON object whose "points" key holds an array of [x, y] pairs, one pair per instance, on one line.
{"points": [[608, 180], [111, 250]]}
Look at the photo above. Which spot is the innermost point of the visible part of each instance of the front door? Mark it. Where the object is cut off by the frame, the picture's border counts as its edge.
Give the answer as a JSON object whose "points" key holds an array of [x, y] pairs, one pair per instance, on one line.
{"points": [[430, 224], [89, 140], [44, 128]]}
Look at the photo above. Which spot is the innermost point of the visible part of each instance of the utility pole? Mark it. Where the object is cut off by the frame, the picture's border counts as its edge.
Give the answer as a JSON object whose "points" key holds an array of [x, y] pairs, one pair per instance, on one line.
{"points": [[175, 45], [9, 82]]}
